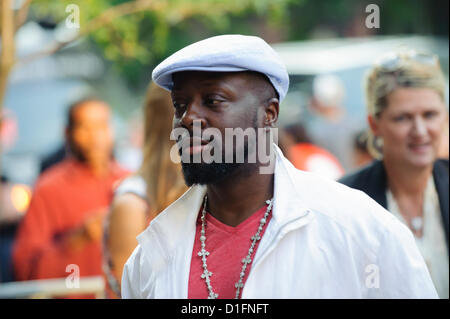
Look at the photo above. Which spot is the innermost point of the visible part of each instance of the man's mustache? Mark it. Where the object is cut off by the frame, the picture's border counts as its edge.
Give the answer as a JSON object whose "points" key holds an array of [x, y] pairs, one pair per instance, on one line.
{"points": [[188, 139]]}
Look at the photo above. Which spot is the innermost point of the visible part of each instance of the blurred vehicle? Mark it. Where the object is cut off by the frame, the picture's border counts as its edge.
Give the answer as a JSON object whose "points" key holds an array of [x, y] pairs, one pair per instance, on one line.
{"points": [[348, 59]]}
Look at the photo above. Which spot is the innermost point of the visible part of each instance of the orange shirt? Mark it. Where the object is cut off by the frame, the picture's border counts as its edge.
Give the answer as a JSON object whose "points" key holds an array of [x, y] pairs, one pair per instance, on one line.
{"points": [[311, 158], [64, 196]]}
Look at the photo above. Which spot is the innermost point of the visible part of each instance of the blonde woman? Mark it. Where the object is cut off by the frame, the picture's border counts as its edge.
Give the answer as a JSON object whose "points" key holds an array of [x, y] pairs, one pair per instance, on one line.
{"points": [[142, 196], [407, 117]]}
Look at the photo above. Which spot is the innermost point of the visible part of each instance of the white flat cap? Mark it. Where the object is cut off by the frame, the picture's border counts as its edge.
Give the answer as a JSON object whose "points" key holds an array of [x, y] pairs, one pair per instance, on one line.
{"points": [[225, 53]]}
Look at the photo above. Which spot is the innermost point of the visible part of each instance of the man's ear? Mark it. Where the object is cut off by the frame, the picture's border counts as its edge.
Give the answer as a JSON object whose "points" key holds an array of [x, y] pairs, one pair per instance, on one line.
{"points": [[373, 124], [272, 110]]}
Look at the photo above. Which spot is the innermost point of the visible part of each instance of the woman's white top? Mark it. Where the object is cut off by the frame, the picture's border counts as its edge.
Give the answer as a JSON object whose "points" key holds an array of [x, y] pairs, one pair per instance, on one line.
{"points": [[134, 184], [432, 244]]}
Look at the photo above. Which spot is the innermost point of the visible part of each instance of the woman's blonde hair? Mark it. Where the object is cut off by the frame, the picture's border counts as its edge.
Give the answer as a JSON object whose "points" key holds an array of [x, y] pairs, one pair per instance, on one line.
{"points": [[163, 177], [400, 69]]}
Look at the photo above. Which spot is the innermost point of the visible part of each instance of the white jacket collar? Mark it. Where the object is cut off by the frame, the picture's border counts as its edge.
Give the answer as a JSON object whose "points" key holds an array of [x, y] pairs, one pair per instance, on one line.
{"points": [[176, 224]]}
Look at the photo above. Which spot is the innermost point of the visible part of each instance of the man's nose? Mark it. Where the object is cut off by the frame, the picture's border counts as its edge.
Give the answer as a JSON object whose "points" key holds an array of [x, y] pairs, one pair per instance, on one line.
{"points": [[194, 112]]}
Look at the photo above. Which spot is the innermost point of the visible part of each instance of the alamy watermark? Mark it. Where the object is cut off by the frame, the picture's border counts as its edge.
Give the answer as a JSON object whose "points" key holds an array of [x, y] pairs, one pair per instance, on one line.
{"points": [[373, 19], [373, 277], [73, 279], [210, 146], [73, 19]]}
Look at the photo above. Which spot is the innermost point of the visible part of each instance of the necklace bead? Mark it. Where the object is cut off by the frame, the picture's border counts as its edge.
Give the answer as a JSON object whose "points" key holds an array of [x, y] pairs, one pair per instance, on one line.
{"points": [[247, 260]]}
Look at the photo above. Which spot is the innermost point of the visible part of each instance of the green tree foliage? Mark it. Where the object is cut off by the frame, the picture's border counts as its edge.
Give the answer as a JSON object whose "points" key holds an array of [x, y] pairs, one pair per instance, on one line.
{"points": [[138, 40]]}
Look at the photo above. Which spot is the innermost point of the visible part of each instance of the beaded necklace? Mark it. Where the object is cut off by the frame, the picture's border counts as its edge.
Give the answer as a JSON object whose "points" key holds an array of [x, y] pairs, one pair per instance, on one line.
{"points": [[247, 260]]}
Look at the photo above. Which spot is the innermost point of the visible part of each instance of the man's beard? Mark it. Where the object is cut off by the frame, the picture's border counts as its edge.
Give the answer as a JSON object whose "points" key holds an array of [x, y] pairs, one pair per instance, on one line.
{"points": [[211, 173], [77, 152], [81, 156], [202, 173]]}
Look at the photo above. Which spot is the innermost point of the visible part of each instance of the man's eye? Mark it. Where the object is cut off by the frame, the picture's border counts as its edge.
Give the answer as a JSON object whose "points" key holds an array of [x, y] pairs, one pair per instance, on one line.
{"points": [[213, 101]]}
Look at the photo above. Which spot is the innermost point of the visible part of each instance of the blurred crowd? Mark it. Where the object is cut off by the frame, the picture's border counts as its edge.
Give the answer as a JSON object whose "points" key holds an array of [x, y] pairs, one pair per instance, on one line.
{"points": [[86, 209]]}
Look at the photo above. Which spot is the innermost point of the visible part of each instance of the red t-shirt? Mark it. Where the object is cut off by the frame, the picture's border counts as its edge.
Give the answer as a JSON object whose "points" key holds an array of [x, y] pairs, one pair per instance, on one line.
{"points": [[227, 246], [64, 196]]}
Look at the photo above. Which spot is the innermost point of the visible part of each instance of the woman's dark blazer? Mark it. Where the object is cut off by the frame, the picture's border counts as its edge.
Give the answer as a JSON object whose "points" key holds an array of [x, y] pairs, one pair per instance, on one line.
{"points": [[372, 180]]}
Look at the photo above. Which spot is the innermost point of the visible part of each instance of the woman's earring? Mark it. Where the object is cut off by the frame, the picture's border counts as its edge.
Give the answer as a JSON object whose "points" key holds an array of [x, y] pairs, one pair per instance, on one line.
{"points": [[379, 142]]}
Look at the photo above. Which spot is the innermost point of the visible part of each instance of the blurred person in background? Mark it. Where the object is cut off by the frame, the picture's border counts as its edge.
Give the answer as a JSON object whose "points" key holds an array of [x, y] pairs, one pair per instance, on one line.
{"points": [[140, 197], [63, 224], [405, 94], [53, 158], [304, 155], [331, 128]]}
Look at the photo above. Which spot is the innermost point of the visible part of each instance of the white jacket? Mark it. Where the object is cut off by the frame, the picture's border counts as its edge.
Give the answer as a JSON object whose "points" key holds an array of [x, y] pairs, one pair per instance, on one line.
{"points": [[324, 240]]}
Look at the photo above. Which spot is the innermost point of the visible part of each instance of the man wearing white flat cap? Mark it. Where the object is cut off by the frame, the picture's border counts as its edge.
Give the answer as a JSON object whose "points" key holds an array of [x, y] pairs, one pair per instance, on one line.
{"points": [[244, 232]]}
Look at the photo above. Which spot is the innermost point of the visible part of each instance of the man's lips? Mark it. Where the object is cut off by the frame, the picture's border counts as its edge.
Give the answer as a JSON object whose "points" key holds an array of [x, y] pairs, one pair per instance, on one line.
{"points": [[192, 145]]}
